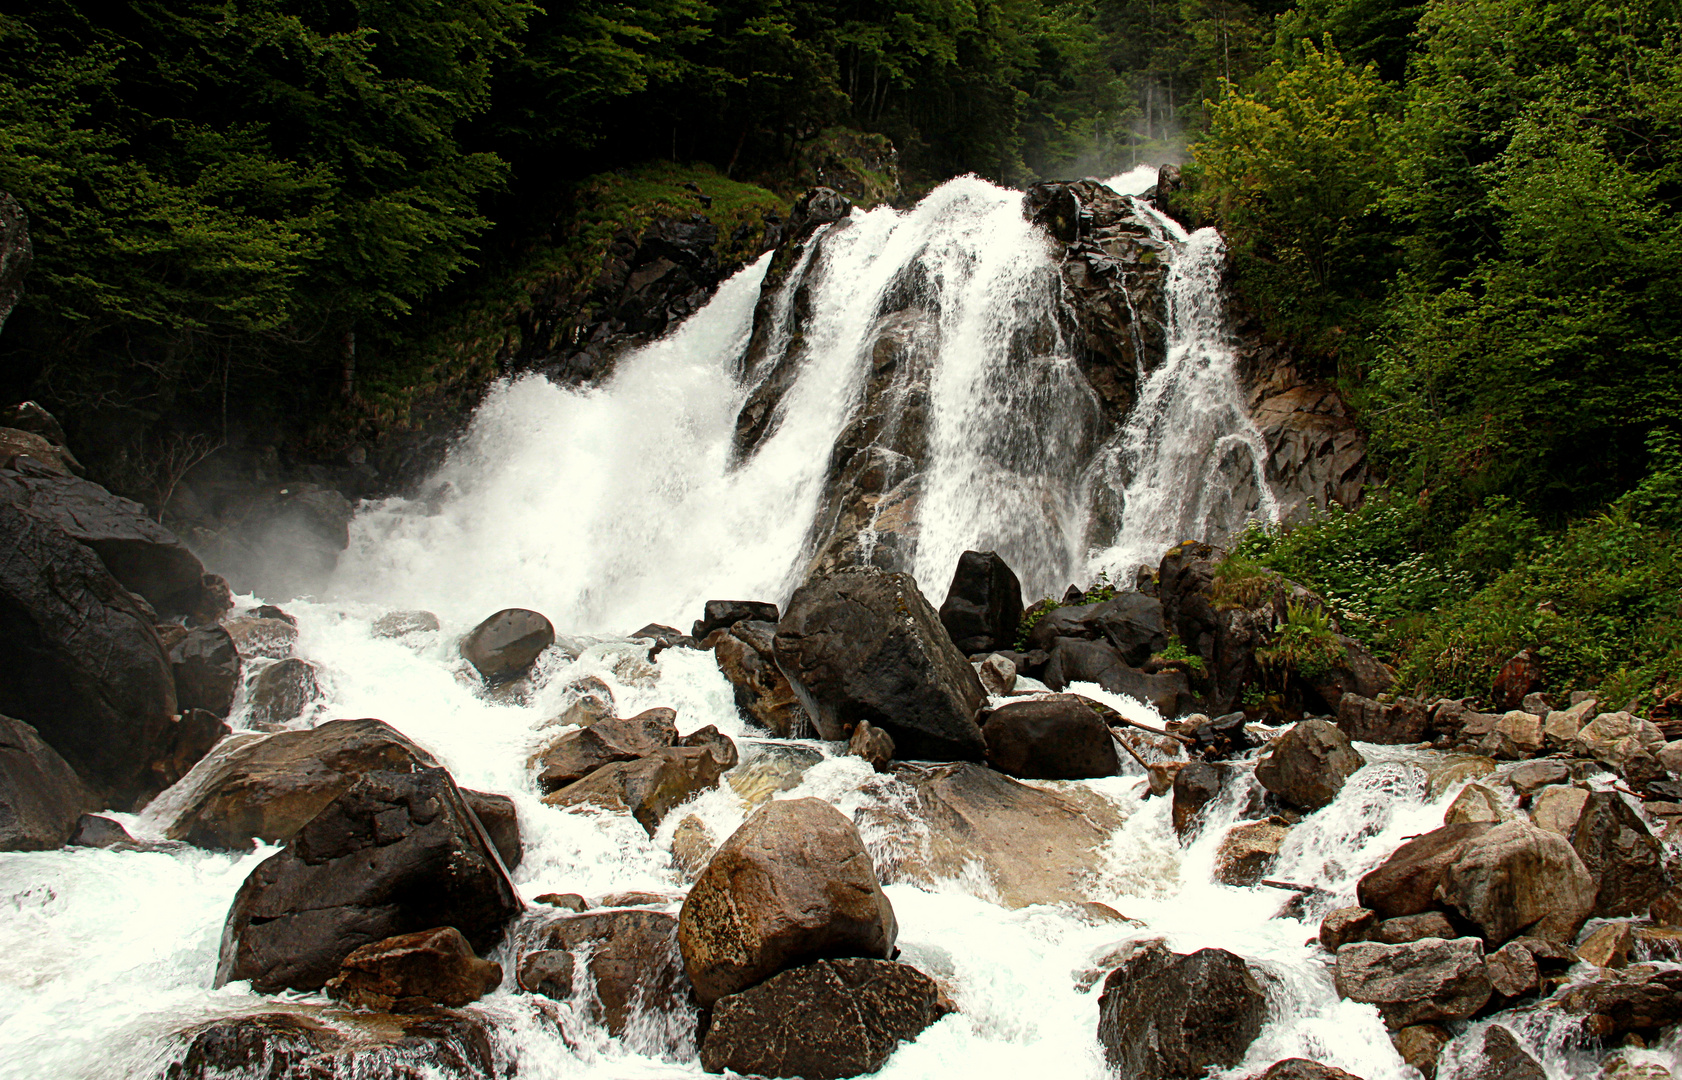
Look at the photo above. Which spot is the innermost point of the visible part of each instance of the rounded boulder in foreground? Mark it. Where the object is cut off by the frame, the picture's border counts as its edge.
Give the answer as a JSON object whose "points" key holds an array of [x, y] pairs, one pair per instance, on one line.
{"points": [[792, 885], [505, 645]]}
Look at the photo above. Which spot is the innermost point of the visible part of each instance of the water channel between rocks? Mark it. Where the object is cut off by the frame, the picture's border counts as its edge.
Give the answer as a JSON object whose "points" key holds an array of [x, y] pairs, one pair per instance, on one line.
{"points": [[615, 507]]}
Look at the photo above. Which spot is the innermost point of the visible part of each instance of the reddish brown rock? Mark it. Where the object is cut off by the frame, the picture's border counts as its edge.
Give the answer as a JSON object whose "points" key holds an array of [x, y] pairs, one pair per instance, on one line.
{"points": [[414, 971]]}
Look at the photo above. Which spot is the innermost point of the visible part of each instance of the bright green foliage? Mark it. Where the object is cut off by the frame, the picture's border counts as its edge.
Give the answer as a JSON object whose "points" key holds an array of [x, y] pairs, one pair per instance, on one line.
{"points": [[1175, 653], [1296, 169], [1241, 581], [1377, 32], [1303, 646]]}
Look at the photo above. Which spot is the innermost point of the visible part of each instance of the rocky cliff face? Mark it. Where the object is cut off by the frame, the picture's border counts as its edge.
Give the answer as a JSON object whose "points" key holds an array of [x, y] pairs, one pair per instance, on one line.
{"points": [[1316, 454]]}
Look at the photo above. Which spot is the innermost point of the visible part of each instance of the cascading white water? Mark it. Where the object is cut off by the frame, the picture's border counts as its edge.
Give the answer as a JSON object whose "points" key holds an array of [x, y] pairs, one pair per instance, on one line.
{"points": [[1191, 461], [613, 507]]}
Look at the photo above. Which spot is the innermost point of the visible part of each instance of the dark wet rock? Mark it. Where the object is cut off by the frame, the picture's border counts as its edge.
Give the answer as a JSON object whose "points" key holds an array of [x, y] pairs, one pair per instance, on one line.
{"points": [[94, 830], [1195, 786], [592, 702], [31, 417], [831, 1019], [398, 624], [1406, 928], [1406, 882], [267, 789], [304, 910], [872, 744], [1309, 764], [502, 824], [1638, 998], [1050, 738], [1131, 623], [1476, 803], [258, 637], [281, 692], [746, 654], [41, 797], [1608, 946], [1417, 982], [1165, 1015], [1304, 1069], [983, 604], [1518, 677], [793, 884], [1074, 660], [1516, 878], [1420, 1045], [505, 646], [1406, 720], [1345, 924], [84, 665], [146, 558], [1530, 776], [207, 670], [576, 754], [548, 972], [773, 769], [723, 614], [38, 455], [1502, 1058], [565, 901], [997, 674], [190, 738], [633, 962], [369, 1046], [1222, 737], [412, 972], [650, 787], [860, 644], [1626, 862], [1035, 846]]}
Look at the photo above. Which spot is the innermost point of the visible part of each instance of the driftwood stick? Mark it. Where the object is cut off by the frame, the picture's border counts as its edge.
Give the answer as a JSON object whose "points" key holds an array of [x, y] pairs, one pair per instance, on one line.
{"points": [[1127, 746], [1113, 718], [1292, 886]]}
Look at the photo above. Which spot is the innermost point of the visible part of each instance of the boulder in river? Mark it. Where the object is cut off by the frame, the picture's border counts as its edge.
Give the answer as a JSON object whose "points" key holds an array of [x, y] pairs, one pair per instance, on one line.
{"points": [[1075, 660], [1516, 877], [1034, 846], [873, 745], [827, 1020], [1626, 862], [1049, 738], [412, 972], [1415, 982], [575, 754], [267, 789], [401, 624], [1309, 764], [84, 665], [1248, 850], [630, 956], [792, 885], [291, 1045], [505, 646], [1501, 1057], [1406, 720], [983, 604], [1170, 1016], [396, 853], [860, 644], [746, 654], [723, 614], [269, 638], [146, 558], [1406, 882], [1615, 738], [281, 692], [1130, 623], [41, 797], [650, 787], [207, 668], [1304, 1069], [501, 823]]}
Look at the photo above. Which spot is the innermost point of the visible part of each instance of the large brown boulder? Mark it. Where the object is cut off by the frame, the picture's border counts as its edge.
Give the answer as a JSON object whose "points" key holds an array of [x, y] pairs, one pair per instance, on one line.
{"points": [[84, 665], [824, 1021], [1406, 882], [575, 754], [1076, 660], [146, 558], [1309, 764], [1195, 787], [1130, 623], [281, 693], [650, 787], [207, 670], [860, 644], [1049, 738], [792, 885], [1626, 862], [1517, 878], [1416, 982], [1406, 720], [378, 1046], [1502, 1058], [1304, 1069], [267, 789], [633, 963], [412, 972], [983, 604], [1638, 998], [1170, 1016], [1034, 846], [501, 822], [746, 654], [396, 853], [506, 645], [723, 614], [41, 797]]}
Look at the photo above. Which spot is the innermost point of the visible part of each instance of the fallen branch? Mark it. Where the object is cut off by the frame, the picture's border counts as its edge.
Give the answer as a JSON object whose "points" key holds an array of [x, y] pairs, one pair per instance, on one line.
{"points": [[1113, 718], [1292, 886]]}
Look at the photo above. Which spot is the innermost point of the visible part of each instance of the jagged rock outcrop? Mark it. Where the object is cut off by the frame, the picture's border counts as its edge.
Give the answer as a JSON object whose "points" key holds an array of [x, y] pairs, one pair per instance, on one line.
{"points": [[1167, 1016]]}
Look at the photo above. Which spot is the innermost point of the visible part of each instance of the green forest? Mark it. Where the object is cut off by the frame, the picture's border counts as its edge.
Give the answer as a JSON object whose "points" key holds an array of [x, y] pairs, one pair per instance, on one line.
{"points": [[320, 218]]}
